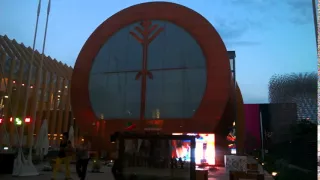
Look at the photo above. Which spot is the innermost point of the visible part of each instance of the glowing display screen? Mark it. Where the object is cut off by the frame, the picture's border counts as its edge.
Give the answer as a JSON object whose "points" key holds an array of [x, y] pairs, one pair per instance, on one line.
{"points": [[204, 152]]}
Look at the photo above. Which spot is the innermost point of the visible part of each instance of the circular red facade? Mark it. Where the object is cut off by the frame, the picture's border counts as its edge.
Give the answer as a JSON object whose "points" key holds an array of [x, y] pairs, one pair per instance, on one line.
{"points": [[218, 78]]}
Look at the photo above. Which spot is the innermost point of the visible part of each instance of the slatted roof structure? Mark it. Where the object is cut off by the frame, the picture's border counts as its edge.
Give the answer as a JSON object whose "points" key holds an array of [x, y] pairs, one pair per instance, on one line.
{"points": [[53, 101]]}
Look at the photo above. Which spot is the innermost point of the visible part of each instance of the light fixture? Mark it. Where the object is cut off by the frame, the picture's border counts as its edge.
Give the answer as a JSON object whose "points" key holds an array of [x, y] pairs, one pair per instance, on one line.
{"points": [[274, 173], [6, 96], [31, 86], [233, 151], [59, 91], [13, 82], [66, 87], [58, 96], [22, 84]]}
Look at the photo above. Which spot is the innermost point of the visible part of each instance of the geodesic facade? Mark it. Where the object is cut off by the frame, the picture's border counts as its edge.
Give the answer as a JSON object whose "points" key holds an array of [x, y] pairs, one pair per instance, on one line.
{"points": [[300, 89]]}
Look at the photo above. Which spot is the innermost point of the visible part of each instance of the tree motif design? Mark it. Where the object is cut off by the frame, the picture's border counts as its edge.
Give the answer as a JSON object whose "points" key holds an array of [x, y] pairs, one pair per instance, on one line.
{"points": [[145, 33], [148, 32]]}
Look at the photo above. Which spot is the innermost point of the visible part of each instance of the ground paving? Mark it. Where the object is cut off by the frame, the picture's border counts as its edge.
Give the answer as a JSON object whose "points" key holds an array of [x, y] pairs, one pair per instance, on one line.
{"points": [[219, 174]]}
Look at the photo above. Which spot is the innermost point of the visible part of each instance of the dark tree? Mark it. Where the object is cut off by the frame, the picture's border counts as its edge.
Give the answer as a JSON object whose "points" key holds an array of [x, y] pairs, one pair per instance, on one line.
{"points": [[300, 89]]}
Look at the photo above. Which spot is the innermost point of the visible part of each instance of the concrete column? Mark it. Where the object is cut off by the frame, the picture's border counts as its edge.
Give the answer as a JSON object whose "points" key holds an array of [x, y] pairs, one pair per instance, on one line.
{"points": [[54, 111], [41, 106], [61, 107]]}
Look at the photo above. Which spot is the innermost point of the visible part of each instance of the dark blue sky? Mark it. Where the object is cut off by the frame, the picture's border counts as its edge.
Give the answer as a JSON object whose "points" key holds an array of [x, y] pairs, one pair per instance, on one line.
{"points": [[269, 36]]}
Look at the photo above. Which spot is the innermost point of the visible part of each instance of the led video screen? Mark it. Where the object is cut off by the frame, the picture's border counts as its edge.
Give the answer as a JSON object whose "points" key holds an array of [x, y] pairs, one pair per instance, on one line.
{"points": [[204, 152]]}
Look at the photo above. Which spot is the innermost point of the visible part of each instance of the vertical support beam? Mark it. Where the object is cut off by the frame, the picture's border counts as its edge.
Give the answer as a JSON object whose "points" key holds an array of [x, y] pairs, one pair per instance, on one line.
{"points": [[17, 95], [67, 112], [61, 108], [76, 134], [49, 102], [43, 87], [34, 105], [2, 63], [54, 112], [7, 111]]}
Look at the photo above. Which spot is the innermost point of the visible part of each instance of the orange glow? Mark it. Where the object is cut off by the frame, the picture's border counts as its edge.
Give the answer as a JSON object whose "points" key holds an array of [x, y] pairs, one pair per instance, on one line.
{"points": [[11, 119]]}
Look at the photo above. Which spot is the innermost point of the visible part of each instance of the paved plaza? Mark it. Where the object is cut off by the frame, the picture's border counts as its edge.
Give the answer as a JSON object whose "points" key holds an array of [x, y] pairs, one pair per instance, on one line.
{"points": [[219, 174]]}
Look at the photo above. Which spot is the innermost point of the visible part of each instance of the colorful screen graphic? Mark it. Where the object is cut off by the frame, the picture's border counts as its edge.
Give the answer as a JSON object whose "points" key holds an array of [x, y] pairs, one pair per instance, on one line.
{"points": [[204, 152]]}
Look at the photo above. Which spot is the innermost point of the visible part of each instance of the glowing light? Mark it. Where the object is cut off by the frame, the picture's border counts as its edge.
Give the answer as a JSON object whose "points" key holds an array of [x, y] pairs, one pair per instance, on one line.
{"points": [[233, 151], [31, 87], [11, 119], [6, 96], [13, 82], [18, 121], [22, 84], [274, 173], [27, 120], [0, 121]]}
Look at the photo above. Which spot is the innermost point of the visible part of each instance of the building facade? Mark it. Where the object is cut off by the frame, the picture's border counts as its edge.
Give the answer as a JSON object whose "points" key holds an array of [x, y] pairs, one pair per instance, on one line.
{"points": [[298, 88], [51, 100], [268, 124], [150, 66]]}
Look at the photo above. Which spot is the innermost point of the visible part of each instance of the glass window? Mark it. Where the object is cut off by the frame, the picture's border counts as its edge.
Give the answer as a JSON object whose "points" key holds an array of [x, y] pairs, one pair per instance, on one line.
{"points": [[175, 94], [16, 68], [115, 95], [173, 88], [7, 66], [48, 77], [25, 72]]}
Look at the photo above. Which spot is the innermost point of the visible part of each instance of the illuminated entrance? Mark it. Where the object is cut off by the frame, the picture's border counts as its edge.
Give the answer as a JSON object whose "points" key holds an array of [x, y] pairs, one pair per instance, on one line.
{"points": [[204, 150]]}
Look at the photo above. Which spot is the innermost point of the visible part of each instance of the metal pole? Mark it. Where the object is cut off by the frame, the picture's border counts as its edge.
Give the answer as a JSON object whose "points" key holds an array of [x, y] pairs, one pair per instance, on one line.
{"points": [[30, 73], [315, 20], [235, 97], [262, 137], [40, 74]]}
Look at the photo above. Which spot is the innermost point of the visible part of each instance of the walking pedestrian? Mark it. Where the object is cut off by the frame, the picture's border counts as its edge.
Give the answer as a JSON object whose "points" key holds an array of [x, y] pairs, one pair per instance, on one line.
{"points": [[116, 164], [83, 158], [64, 155]]}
